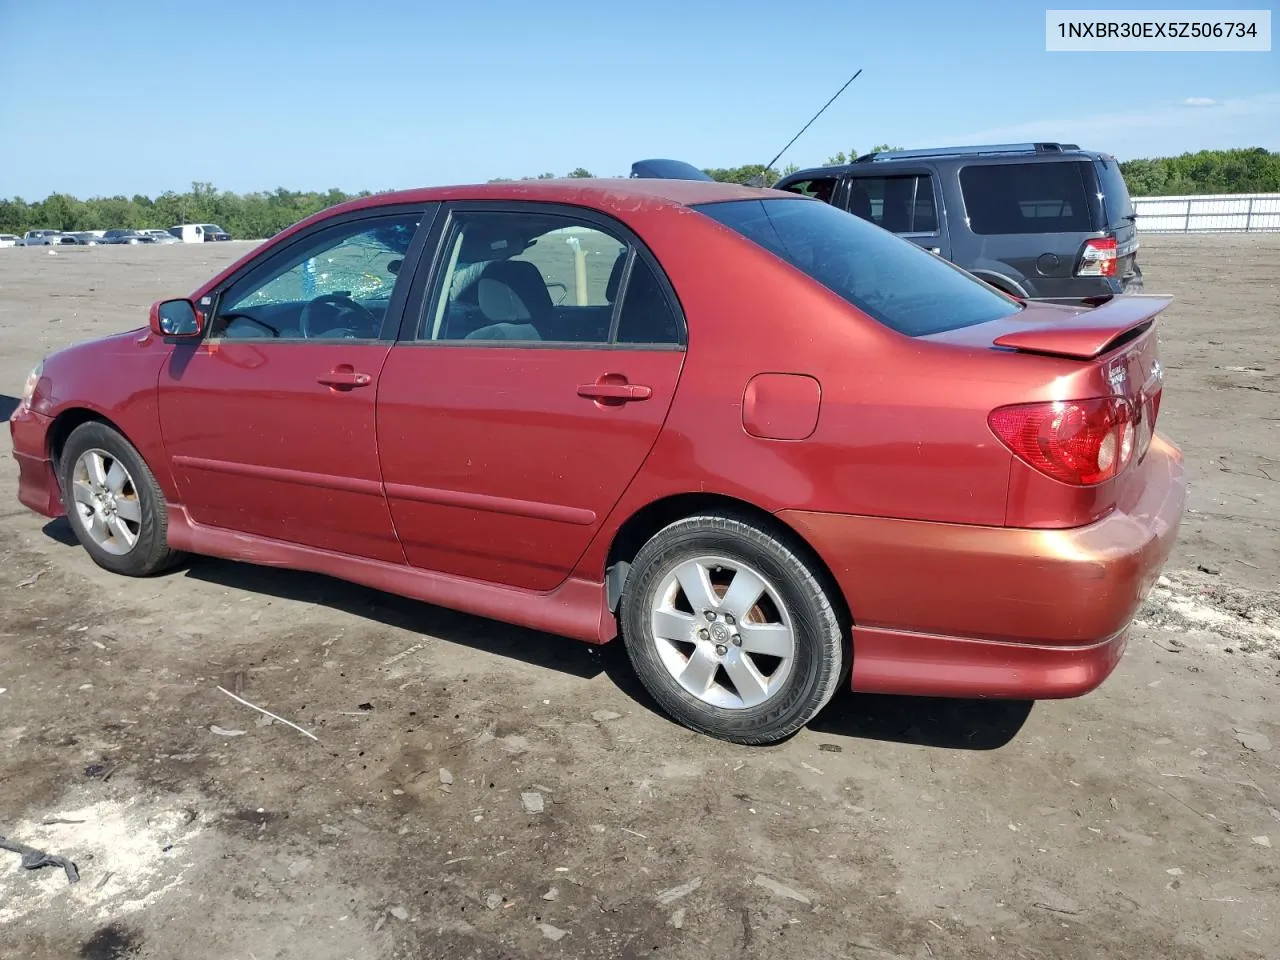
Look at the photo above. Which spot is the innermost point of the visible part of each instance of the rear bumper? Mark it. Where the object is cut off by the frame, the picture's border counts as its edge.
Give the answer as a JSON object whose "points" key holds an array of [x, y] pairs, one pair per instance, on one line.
{"points": [[37, 483], [957, 610]]}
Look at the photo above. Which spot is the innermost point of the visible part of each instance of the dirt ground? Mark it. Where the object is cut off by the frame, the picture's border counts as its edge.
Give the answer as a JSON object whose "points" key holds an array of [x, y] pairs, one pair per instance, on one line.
{"points": [[483, 791]]}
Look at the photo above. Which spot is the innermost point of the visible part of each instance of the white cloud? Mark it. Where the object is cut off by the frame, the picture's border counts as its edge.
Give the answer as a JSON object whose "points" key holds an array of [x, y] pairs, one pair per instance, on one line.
{"points": [[1156, 130]]}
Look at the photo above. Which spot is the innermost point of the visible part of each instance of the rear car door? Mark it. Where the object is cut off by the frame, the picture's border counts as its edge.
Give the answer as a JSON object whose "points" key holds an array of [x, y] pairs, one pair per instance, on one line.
{"points": [[906, 202], [527, 390], [269, 420]]}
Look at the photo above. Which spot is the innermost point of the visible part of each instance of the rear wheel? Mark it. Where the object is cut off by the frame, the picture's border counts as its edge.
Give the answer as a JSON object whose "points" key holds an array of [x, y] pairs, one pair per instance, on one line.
{"points": [[113, 502], [730, 630]]}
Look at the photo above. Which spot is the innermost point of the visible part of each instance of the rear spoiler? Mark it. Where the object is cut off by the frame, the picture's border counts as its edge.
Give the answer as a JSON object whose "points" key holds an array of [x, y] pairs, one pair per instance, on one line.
{"points": [[1091, 333]]}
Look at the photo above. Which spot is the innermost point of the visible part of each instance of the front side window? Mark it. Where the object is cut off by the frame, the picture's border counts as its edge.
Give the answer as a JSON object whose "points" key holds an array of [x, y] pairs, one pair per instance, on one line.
{"points": [[335, 283], [890, 279], [898, 204], [528, 277], [1009, 198]]}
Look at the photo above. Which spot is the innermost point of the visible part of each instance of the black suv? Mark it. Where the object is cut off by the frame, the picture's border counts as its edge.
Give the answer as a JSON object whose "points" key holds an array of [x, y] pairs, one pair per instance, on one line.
{"points": [[1042, 221]]}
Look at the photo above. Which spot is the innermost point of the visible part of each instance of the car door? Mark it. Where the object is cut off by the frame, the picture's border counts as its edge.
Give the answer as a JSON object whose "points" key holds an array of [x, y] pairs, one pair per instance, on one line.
{"points": [[906, 202], [269, 420], [526, 391]]}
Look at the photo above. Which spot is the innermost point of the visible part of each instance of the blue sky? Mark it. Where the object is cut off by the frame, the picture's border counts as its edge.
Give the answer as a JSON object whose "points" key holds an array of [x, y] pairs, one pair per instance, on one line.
{"points": [[144, 96]]}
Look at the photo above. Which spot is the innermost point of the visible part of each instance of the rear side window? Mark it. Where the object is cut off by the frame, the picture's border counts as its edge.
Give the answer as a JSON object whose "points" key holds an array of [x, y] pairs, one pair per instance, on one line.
{"points": [[1002, 198], [899, 204], [1115, 192], [890, 279]]}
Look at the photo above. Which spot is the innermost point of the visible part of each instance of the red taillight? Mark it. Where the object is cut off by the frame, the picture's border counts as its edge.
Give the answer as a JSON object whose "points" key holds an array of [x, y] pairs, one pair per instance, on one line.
{"points": [[1081, 442], [1098, 259]]}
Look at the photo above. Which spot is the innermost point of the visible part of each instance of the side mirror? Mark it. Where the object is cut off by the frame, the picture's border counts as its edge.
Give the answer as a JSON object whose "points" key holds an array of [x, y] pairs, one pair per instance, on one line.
{"points": [[176, 318]]}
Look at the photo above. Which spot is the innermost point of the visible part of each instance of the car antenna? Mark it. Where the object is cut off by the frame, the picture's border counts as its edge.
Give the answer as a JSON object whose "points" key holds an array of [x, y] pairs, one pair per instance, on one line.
{"points": [[758, 179]]}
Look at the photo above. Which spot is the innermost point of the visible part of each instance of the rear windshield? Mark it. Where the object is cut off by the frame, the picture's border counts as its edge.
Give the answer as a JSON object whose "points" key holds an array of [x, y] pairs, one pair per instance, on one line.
{"points": [[1003, 198], [1115, 193], [890, 279]]}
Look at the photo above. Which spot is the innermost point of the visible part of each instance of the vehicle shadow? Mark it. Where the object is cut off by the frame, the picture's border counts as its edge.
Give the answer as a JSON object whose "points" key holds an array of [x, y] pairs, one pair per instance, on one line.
{"points": [[925, 721], [950, 724], [8, 404]]}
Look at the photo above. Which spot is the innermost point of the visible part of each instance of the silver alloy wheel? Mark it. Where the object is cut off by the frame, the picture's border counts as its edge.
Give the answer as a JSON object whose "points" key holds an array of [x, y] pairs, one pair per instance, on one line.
{"points": [[723, 632], [106, 501]]}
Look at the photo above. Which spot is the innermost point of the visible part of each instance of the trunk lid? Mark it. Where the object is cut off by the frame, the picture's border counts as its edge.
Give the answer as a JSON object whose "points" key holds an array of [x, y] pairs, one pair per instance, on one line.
{"points": [[1116, 338]]}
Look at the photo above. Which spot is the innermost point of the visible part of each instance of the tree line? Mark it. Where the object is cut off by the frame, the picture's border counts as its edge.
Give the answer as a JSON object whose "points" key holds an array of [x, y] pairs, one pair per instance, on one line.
{"points": [[254, 215]]}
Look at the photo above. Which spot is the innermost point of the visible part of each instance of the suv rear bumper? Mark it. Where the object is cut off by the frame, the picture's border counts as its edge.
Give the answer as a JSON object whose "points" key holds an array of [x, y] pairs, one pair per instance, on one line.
{"points": [[956, 610]]}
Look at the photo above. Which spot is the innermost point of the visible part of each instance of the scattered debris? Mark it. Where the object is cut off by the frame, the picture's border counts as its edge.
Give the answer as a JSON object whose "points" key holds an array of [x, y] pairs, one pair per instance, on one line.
{"points": [[400, 913], [552, 895], [30, 581], [1257, 742], [366, 707], [1263, 841], [1212, 569], [404, 653], [99, 771], [1065, 911], [830, 748], [224, 732], [33, 859], [531, 801], [552, 932], [634, 833], [1275, 814], [677, 918], [493, 901], [780, 889], [812, 769], [604, 716], [1174, 871], [445, 776], [672, 894], [52, 820], [268, 713]]}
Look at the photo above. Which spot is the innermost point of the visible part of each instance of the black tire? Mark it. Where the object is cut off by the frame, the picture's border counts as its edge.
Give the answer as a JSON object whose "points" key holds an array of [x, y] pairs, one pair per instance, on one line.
{"points": [[151, 553], [819, 659]]}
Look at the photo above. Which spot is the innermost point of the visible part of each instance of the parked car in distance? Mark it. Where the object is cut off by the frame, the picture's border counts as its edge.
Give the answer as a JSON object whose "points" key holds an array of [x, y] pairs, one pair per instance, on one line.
{"points": [[84, 238], [44, 238], [199, 232], [775, 448], [129, 236], [8, 240], [1042, 221], [159, 236]]}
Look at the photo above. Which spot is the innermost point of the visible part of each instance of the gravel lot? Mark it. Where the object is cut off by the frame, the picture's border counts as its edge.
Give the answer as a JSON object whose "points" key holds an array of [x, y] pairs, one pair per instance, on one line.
{"points": [[483, 791]]}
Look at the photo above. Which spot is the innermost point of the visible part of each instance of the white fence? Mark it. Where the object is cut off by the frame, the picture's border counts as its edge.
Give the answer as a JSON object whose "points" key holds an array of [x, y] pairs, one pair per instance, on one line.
{"points": [[1217, 213]]}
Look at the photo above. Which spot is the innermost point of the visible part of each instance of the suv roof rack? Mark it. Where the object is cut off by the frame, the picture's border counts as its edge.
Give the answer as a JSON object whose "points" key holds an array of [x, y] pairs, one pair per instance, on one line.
{"points": [[666, 170], [970, 151]]}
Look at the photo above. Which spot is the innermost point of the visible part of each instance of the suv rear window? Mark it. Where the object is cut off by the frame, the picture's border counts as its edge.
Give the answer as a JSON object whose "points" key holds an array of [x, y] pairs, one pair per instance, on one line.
{"points": [[1115, 192], [1003, 198], [890, 279]]}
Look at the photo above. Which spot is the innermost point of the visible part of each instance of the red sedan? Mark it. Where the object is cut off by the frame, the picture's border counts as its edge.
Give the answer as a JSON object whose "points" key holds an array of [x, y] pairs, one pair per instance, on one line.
{"points": [[773, 447]]}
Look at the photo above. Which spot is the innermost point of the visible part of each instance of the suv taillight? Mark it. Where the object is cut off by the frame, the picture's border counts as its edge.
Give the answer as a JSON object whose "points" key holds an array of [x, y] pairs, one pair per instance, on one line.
{"points": [[1080, 442], [1098, 258]]}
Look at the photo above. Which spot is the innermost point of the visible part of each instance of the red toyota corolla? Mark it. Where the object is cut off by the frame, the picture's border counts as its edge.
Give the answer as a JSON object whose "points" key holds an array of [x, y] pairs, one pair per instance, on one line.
{"points": [[774, 447]]}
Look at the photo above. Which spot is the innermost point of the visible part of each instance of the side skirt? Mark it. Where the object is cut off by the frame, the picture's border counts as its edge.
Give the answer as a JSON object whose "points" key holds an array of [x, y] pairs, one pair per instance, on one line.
{"points": [[577, 608]]}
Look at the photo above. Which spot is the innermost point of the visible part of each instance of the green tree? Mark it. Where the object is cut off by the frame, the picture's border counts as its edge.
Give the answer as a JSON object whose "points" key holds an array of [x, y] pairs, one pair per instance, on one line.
{"points": [[581, 173]]}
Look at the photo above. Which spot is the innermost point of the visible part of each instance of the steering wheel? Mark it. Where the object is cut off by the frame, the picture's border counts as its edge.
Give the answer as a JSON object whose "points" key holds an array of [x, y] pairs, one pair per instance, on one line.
{"points": [[346, 317]]}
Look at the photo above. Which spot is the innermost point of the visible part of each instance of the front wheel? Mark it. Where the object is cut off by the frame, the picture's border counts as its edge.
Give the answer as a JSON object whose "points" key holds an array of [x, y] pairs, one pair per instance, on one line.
{"points": [[730, 630], [113, 502]]}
